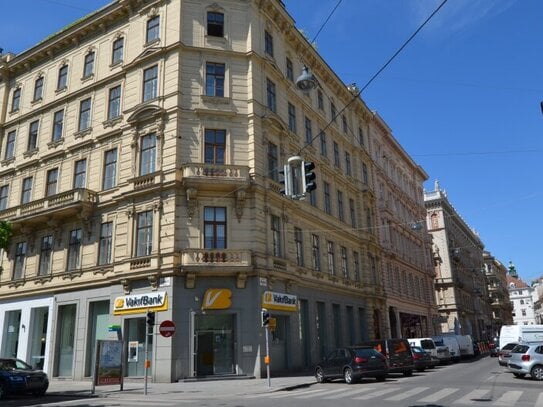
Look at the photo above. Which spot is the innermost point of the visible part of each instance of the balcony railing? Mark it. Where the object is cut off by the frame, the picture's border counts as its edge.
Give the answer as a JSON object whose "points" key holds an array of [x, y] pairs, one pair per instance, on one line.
{"points": [[216, 175], [209, 257]]}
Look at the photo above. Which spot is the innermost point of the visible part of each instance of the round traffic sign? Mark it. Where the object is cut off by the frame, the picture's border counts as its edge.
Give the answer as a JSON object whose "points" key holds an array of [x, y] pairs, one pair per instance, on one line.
{"points": [[166, 328]]}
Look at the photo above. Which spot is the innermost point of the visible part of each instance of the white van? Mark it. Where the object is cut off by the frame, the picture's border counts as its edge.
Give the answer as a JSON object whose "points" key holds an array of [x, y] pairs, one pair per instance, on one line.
{"points": [[428, 345], [465, 343], [451, 343], [520, 333]]}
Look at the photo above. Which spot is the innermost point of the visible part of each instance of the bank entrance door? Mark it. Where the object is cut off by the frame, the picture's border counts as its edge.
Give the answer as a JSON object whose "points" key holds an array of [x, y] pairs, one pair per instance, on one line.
{"points": [[214, 345]]}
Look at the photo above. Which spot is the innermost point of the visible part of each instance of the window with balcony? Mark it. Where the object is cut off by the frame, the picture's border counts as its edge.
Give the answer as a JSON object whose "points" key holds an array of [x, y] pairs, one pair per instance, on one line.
{"points": [[26, 193], [356, 264], [46, 250], [117, 51], [336, 155], [273, 161], [331, 257], [10, 145], [4, 189], [16, 100], [308, 131], [80, 173], [327, 201], [52, 182], [58, 125], [344, 262], [271, 96], [324, 151], [268, 43], [277, 244], [110, 169], [38, 89], [148, 154], [153, 30], [144, 233], [316, 252], [298, 242], [215, 79], [150, 83], [214, 227], [215, 146], [114, 103], [105, 248], [62, 80], [215, 24], [291, 117], [88, 65], [74, 250], [33, 135], [19, 261], [340, 211], [84, 114]]}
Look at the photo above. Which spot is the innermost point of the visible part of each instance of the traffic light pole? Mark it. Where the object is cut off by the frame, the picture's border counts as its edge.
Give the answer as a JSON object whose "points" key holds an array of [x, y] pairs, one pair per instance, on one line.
{"points": [[146, 359], [267, 359]]}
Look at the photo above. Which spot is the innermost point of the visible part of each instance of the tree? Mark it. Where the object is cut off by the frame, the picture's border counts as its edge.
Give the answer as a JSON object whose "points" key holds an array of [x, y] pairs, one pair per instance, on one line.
{"points": [[6, 232]]}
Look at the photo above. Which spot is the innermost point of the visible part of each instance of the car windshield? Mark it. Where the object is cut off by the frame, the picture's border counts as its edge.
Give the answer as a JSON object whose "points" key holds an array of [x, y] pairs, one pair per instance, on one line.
{"points": [[509, 346], [416, 349], [439, 342], [365, 353], [12, 364], [427, 344]]}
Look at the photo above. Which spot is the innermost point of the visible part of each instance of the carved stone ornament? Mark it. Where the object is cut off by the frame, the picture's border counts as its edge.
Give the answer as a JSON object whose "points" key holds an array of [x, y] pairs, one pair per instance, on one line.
{"points": [[126, 286], [192, 202], [240, 202], [153, 281]]}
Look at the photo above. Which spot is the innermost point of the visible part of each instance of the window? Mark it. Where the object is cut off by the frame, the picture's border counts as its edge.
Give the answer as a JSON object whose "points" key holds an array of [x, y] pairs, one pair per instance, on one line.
{"points": [[523, 311], [344, 263], [52, 181], [340, 212], [356, 261], [323, 143], [74, 250], [215, 146], [292, 117], [16, 100], [144, 233], [298, 240], [114, 103], [348, 168], [150, 83], [352, 210], [153, 29], [308, 131], [117, 51], [4, 189], [331, 257], [10, 145], [214, 227], [327, 205], [273, 159], [38, 89], [80, 173], [276, 236], [58, 124], [85, 114], [344, 121], [105, 246], [522, 302], [290, 70], [110, 169], [336, 155], [361, 136], [268, 43], [365, 178], [62, 80], [33, 135], [320, 99], [46, 250], [215, 24], [148, 154], [313, 199], [88, 66], [215, 79], [26, 194], [333, 111], [316, 252], [19, 263], [270, 89]]}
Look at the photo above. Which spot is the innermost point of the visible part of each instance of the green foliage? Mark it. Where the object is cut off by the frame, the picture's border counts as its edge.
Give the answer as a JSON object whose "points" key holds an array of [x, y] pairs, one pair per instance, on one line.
{"points": [[6, 232]]}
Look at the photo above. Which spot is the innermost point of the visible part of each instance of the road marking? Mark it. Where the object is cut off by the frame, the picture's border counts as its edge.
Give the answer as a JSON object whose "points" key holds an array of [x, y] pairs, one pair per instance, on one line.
{"points": [[508, 399], [475, 394], [432, 398], [406, 394], [375, 394], [310, 394], [348, 393], [539, 402]]}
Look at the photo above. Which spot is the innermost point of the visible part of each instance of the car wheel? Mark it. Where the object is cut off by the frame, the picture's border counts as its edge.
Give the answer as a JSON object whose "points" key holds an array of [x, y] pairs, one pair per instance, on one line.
{"points": [[521, 375], [348, 376], [408, 373], [319, 375], [2, 391], [381, 378], [537, 372], [39, 393], [421, 369]]}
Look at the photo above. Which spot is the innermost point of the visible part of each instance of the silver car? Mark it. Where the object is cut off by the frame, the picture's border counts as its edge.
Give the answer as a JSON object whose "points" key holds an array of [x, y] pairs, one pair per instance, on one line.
{"points": [[526, 359]]}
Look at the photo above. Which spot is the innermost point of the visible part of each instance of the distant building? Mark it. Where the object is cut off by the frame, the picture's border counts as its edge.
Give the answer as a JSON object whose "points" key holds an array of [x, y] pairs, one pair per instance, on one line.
{"points": [[498, 293], [522, 299]]}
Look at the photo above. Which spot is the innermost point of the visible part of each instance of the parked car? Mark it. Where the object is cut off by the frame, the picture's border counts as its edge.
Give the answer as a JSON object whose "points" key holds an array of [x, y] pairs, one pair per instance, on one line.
{"points": [[451, 343], [17, 377], [422, 359], [504, 353], [493, 347], [428, 345], [397, 352], [526, 359], [443, 354], [351, 364]]}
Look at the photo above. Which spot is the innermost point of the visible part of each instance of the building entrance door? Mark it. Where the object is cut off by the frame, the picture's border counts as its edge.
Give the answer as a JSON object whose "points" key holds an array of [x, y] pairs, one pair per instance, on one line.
{"points": [[214, 344]]}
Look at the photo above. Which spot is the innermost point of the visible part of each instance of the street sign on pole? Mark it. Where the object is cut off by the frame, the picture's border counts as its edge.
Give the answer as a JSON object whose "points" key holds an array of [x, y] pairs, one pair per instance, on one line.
{"points": [[166, 328]]}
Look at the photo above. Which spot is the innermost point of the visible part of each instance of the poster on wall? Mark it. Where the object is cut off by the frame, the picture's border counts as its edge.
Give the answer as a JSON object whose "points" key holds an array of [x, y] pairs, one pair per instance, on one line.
{"points": [[133, 351], [108, 362]]}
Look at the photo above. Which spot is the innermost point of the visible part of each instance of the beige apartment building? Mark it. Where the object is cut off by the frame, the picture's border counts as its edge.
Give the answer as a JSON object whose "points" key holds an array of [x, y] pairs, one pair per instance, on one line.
{"points": [[139, 169]]}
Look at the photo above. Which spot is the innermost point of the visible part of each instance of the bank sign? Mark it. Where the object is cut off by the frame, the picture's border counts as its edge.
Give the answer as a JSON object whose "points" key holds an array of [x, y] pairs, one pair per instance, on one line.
{"points": [[279, 301], [139, 303]]}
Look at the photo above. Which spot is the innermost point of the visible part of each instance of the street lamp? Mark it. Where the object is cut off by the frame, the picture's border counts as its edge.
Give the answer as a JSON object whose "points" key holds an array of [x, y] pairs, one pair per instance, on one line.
{"points": [[306, 81]]}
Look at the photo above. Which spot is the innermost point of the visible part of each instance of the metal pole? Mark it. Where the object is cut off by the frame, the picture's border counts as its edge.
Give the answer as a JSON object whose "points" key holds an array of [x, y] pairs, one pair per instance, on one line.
{"points": [[146, 362], [268, 355]]}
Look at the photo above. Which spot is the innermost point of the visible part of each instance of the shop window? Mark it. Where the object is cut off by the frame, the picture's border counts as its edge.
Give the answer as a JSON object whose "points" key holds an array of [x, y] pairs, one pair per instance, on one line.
{"points": [[65, 340]]}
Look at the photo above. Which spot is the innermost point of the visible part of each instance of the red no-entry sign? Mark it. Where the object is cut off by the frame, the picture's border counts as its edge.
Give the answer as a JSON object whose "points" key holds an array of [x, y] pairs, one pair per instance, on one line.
{"points": [[166, 328]]}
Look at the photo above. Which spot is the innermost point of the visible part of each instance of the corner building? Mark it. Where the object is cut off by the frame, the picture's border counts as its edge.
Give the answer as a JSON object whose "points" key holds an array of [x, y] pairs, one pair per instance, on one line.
{"points": [[140, 157]]}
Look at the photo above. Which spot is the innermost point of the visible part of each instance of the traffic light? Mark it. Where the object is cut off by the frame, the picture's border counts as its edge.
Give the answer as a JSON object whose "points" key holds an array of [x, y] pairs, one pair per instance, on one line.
{"points": [[308, 176], [150, 319], [286, 181], [265, 317]]}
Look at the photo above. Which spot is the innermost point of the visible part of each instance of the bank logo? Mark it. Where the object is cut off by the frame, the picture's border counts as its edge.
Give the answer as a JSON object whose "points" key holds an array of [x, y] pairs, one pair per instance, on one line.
{"points": [[217, 298], [119, 302]]}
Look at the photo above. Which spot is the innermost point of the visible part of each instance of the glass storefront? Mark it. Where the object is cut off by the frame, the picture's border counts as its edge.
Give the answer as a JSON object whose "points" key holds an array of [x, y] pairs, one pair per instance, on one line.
{"points": [[97, 329], [214, 343], [65, 340], [38, 336], [10, 341]]}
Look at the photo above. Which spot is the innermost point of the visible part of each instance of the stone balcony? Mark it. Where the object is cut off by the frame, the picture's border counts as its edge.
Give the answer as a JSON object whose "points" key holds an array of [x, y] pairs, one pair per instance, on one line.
{"points": [[212, 176]]}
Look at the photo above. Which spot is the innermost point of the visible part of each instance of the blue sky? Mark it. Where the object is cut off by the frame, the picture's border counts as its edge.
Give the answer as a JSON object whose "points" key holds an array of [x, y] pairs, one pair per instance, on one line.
{"points": [[462, 98]]}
